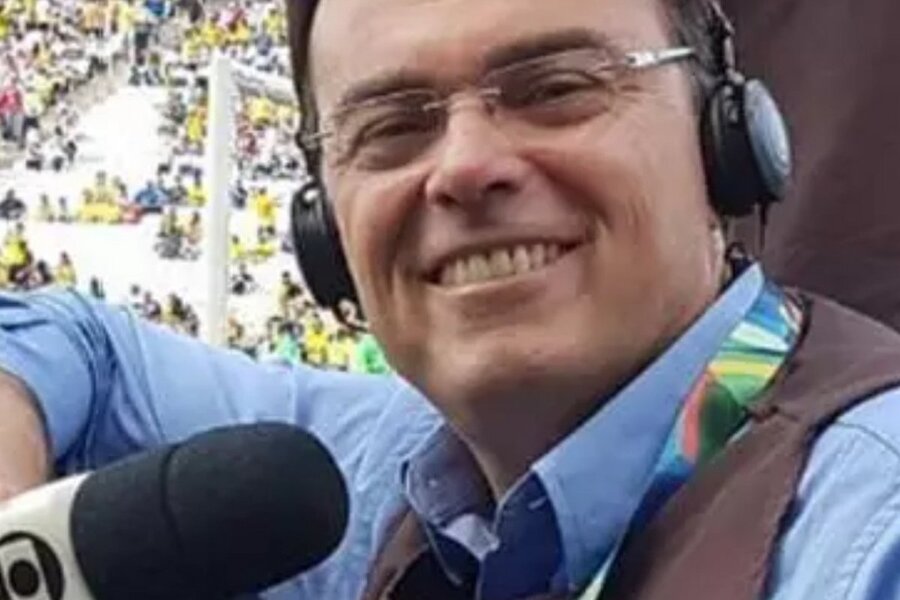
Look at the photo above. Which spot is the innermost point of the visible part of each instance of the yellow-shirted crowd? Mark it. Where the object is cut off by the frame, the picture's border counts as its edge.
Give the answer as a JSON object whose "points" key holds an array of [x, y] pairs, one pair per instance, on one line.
{"points": [[295, 329]]}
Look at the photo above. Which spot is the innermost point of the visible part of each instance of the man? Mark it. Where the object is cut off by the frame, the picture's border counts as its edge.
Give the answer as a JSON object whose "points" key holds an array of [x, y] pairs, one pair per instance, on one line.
{"points": [[150, 198], [536, 250], [12, 208], [242, 282], [65, 274], [135, 299]]}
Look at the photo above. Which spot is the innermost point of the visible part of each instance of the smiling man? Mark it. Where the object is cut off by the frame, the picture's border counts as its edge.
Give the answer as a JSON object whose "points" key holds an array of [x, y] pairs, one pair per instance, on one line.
{"points": [[584, 220], [591, 392]]}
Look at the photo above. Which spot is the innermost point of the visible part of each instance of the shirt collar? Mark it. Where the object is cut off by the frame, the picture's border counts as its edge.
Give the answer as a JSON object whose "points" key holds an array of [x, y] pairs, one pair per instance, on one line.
{"points": [[596, 477]]}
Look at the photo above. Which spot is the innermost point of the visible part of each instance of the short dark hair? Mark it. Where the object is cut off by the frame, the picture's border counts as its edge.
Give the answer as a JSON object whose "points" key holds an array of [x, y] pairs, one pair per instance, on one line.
{"points": [[691, 21], [694, 24]]}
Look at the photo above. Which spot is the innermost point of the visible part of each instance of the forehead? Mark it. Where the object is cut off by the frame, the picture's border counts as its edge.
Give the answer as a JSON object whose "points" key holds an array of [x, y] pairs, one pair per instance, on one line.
{"points": [[446, 39]]}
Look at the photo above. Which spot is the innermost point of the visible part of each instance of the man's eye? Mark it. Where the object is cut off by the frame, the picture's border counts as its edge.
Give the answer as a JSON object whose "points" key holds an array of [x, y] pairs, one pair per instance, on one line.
{"points": [[555, 88], [388, 139], [387, 128]]}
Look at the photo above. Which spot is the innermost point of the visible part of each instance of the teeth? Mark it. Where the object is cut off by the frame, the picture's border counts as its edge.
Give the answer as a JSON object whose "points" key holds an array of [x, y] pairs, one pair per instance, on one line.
{"points": [[479, 268], [538, 256], [521, 261], [499, 263], [460, 273]]}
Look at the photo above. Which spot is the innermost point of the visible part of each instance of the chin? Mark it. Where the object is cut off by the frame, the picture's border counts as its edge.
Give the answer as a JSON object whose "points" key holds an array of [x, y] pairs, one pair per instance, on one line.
{"points": [[496, 372]]}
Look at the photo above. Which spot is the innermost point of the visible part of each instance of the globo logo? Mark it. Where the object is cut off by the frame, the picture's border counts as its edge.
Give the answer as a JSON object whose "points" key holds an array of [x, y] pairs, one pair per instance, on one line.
{"points": [[29, 569]]}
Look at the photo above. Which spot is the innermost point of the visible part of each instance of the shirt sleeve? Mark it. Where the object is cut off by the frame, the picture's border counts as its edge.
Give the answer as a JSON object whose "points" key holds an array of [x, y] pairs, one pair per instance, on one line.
{"points": [[110, 384], [842, 539]]}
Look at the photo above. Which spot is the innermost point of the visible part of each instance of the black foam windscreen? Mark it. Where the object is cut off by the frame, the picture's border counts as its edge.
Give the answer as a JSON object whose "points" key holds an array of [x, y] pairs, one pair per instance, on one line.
{"points": [[229, 512]]}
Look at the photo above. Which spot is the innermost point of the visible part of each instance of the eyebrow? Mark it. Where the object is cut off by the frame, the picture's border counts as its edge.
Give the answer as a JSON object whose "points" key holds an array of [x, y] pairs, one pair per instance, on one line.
{"points": [[549, 43], [382, 85], [518, 50]]}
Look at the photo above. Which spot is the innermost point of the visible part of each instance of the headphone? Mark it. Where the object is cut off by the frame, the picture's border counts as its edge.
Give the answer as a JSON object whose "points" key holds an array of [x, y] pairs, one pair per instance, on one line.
{"points": [[746, 155]]}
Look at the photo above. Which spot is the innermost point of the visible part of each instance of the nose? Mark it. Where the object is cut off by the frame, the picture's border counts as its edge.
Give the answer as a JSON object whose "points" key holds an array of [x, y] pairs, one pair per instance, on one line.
{"points": [[475, 160]]}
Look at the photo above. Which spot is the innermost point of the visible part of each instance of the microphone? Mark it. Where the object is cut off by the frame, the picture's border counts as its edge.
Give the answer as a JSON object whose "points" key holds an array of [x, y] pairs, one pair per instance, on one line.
{"points": [[229, 512]]}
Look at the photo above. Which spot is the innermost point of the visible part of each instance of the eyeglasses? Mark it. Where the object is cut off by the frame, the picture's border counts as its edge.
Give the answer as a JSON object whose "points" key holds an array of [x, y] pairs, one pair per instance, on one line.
{"points": [[551, 91]]}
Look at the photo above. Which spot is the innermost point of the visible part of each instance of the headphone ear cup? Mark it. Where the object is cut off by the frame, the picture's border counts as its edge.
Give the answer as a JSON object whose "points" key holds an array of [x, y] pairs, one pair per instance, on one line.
{"points": [[317, 247], [769, 138], [745, 148]]}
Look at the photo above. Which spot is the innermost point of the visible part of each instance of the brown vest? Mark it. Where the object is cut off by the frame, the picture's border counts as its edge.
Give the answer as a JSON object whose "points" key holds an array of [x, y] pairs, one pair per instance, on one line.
{"points": [[714, 537]]}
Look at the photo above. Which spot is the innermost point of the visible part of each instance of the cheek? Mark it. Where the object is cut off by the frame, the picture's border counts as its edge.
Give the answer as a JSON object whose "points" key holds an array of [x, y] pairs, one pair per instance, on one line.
{"points": [[373, 217], [640, 177]]}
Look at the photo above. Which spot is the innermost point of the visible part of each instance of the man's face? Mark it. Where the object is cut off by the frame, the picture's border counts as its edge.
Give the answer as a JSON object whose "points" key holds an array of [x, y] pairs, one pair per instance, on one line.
{"points": [[610, 213]]}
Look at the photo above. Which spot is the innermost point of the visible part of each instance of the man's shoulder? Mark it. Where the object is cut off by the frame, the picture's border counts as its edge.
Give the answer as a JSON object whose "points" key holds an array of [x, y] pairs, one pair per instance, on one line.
{"points": [[844, 525], [864, 437], [876, 419]]}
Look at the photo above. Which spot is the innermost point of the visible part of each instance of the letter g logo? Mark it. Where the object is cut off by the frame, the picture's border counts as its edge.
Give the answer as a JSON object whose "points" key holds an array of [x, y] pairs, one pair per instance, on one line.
{"points": [[29, 569]]}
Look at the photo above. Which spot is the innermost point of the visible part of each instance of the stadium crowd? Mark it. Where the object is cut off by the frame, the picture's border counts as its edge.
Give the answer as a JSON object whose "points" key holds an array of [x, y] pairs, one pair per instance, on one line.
{"points": [[49, 39], [51, 50]]}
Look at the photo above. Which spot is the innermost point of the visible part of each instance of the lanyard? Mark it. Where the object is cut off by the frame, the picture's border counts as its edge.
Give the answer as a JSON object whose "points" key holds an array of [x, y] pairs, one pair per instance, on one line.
{"points": [[715, 412]]}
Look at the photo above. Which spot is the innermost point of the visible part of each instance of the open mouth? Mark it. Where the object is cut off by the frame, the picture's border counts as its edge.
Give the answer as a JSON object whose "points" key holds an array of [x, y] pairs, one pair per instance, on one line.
{"points": [[499, 263]]}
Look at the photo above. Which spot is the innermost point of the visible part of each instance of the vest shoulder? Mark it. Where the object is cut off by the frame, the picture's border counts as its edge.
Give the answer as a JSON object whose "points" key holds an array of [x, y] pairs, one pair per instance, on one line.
{"points": [[845, 323]]}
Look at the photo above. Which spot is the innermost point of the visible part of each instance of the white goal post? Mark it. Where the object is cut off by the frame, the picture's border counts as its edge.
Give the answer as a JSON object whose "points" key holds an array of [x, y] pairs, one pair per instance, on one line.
{"points": [[227, 79]]}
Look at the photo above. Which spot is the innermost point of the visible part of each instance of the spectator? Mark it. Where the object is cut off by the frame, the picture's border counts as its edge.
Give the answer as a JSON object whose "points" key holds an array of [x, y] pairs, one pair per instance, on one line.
{"points": [[95, 289], [62, 214], [236, 250], [12, 208], [341, 350], [103, 190], [242, 282], [315, 341], [62, 150], [40, 276], [196, 195], [18, 259], [287, 345], [194, 229], [236, 335], [11, 110], [134, 300], [45, 210], [65, 272], [288, 293], [150, 198], [368, 357], [264, 206], [150, 308], [173, 311], [35, 158], [168, 225]]}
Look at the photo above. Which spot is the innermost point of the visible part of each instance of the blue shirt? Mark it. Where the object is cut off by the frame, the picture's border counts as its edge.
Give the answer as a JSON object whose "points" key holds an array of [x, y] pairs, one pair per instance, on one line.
{"points": [[110, 384]]}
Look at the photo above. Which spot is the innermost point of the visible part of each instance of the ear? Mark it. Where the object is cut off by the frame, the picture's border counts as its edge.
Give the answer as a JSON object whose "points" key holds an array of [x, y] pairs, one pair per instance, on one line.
{"points": [[718, 253], [719, 242]]}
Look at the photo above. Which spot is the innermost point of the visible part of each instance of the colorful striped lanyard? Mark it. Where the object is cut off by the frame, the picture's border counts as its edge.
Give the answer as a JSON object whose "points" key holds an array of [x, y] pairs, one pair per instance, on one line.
{"points": [[715, 411]]}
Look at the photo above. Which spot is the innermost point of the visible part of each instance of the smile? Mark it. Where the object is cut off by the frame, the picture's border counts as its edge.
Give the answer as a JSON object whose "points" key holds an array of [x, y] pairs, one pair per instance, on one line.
{"points": [[499, 263]]}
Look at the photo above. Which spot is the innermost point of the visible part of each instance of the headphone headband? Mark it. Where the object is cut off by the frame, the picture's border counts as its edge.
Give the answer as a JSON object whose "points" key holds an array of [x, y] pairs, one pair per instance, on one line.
{"points": [[722, 32]]}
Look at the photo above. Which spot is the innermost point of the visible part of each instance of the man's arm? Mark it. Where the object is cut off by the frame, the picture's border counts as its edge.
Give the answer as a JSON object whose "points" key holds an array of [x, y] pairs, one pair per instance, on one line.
{"points": [[22, 437], [108, 384]]}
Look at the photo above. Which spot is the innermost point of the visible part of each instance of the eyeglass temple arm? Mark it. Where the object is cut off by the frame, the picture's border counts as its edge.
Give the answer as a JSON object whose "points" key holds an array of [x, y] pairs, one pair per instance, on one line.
{"points": [[656, 58]]}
